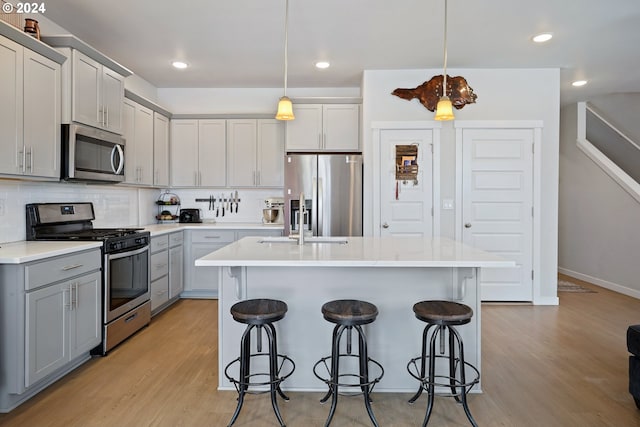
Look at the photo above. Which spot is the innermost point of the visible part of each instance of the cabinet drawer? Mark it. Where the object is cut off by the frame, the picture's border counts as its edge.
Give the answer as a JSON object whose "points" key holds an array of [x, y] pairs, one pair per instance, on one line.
{"points": [[175, 239], [159, 265], [159, 292], [159, 243], [61, 268], [213, 236]]}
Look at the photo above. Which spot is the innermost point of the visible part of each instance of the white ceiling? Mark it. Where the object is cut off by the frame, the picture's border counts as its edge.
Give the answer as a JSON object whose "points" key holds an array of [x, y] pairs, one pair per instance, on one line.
{"points": [[240, 43]]}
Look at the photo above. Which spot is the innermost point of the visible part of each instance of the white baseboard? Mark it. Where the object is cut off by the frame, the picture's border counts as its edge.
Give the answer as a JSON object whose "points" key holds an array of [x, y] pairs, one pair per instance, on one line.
{"points": [[546, 301], [600, 282]]}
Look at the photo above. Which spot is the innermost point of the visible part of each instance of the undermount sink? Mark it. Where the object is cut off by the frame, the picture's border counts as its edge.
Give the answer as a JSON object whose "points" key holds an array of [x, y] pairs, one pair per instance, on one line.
{"points": [[310, 239]]}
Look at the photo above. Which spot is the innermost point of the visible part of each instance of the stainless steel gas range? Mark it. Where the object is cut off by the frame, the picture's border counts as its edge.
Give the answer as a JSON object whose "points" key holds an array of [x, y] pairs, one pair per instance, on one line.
{"points": [[125, 264]]}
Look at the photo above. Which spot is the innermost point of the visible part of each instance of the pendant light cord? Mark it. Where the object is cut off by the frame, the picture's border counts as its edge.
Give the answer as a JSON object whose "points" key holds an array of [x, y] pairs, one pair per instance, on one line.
{"points": [[286, 43], [444, 77]]}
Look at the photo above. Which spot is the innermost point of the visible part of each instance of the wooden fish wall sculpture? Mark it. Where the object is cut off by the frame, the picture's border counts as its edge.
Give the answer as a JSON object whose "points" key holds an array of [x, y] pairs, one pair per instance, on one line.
{"points": [[429, 92]]}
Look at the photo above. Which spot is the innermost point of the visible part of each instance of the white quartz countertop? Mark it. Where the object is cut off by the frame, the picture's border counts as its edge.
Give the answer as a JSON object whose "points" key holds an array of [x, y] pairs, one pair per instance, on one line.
{"points": [[357, 252], [25, 251], [159, 229]]}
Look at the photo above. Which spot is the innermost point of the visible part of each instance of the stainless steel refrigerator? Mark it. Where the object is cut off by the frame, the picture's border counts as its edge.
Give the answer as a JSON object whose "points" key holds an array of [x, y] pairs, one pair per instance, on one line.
{"points": [[332, 187]]}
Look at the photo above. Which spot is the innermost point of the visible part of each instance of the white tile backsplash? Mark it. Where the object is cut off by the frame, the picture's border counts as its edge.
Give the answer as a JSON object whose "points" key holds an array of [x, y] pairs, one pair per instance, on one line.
{"points": [[249, 209], [118, 205], [115, 206]]}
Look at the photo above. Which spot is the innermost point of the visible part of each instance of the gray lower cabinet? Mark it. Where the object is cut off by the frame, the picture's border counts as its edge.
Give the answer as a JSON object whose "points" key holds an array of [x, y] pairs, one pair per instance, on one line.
{"points": [[166, 270], [50, 317], [176, 265], [202, 282]]}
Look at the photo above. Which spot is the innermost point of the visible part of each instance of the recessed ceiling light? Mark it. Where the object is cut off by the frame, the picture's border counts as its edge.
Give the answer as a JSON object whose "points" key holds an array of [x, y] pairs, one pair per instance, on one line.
{"points": [[544, 37], [579, 83], [322, 65], [180, 65]]}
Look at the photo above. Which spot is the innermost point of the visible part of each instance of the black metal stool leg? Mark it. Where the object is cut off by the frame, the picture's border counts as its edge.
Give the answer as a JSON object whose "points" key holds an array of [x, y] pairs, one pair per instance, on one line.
{"points": [[245, 357], [452, 364], [275, 343], [335, 365], [463, 395], [363, 356], [423, 362], [431, 376], [273, 372]]}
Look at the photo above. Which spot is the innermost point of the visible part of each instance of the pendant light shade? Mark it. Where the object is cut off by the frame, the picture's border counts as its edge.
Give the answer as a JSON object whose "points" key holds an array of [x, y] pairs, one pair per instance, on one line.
{"points": [[285, 108], [444, 111]]}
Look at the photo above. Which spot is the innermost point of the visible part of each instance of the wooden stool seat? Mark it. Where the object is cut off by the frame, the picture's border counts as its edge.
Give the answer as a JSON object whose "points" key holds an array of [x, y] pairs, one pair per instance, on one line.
{"points": [[258, 311], [443, 312], [349, 312]]}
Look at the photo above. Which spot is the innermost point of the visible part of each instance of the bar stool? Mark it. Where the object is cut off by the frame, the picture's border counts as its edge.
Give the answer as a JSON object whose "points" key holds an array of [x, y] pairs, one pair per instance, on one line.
{"points": [[443, 315], [259, 314], [348, 315]]}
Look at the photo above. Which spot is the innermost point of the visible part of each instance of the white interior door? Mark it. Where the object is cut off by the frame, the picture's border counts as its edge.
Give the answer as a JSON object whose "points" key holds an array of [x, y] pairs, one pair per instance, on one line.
{"points": [[497, 207], [406, 206]]}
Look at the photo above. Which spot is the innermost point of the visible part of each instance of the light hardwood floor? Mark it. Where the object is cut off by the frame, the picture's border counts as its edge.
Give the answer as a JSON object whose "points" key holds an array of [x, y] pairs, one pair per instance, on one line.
{"points": [[542, 366]]}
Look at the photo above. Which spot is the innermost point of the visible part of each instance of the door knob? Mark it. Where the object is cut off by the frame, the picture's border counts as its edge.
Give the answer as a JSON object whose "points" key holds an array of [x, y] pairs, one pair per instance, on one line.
{"points": [[467, 225], [385, 225]]}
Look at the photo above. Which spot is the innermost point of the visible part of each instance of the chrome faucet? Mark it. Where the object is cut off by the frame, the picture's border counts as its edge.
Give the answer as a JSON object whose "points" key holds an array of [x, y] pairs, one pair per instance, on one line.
{"points": [[302, 210]]}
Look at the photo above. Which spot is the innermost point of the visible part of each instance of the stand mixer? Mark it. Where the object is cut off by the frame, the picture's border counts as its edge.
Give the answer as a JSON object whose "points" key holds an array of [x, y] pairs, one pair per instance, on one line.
{"points": [[273, 213]]}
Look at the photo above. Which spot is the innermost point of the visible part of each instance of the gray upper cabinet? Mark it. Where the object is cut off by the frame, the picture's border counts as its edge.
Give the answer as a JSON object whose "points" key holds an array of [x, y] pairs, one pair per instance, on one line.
{"points": [[92, 84], [97, 94], [324, 127], [138, 133], [160, 150], [198, 153], [29, 113], [255, 153]]}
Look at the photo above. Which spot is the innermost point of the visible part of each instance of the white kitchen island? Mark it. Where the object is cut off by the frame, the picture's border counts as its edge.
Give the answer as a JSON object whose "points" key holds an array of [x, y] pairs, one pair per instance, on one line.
{"points": [[392, 273]]}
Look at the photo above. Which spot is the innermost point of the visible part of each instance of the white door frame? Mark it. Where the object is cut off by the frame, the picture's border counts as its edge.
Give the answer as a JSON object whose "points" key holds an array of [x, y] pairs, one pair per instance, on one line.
{"points": [[376, 127], [537, 126]]}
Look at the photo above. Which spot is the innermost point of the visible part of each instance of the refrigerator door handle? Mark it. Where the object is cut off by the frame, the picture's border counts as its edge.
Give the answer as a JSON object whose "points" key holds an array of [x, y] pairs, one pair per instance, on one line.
{"points": [[319, 191]]}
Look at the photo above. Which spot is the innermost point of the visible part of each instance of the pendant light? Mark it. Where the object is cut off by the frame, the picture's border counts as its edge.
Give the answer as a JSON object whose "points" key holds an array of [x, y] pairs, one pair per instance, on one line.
{"points": [[285, 108], [444, 111]]}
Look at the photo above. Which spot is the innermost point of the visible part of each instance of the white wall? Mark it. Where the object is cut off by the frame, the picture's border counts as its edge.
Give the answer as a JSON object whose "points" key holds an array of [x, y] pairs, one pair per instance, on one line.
{"points": [[238, 100], [503, 94], [598, 221]]}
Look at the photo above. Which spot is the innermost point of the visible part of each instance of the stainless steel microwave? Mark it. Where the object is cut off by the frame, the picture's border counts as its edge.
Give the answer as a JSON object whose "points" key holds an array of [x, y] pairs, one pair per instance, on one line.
{"points": [[90, 154]]}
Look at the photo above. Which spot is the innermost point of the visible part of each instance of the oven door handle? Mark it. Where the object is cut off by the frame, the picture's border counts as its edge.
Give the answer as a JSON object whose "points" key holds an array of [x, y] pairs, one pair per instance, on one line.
{"points": [[127, 254]]}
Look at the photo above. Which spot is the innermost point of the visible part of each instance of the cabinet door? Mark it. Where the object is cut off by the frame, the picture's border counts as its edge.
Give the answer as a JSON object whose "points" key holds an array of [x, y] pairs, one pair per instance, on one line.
{"points": [[42, 115], [46, 342], [129, 133], [112, 99], [212, 153], [86, 106], [85, 324], [341, 127], [143, 142], [11, 107], [160, 150], [159, 292], [270, 153], [184, 153], [175, 271], [241, 153], [204, 278], [305, 132]]}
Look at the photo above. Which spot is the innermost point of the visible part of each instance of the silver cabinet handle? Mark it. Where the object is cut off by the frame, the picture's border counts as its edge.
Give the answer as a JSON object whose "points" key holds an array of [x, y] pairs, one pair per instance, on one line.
{"points": [[467, 225], [211, 237], [385, 225], [71, 267]]}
